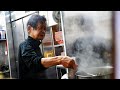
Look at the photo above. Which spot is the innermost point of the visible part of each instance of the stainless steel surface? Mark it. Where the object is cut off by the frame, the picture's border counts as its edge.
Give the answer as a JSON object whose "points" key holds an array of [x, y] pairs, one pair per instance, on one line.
{"points": [[104, 72], [7, 16], [30, 12], [20, 14], [25, 26], [16, 15], [107, 76], [18, 37], [63, 34], [117, 44], [11, 54]]}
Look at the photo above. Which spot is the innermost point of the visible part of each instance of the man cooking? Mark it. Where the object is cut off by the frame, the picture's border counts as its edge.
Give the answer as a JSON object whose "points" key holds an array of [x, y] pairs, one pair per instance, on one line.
{"points": [[32, 64]]}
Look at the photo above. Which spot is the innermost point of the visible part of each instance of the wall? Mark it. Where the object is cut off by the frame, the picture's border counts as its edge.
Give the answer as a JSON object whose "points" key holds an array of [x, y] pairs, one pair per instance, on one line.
{"points": [[117, 44]]}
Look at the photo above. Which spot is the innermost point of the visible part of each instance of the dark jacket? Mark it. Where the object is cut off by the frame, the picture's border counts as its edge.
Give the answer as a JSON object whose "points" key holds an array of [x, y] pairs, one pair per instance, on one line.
{"points": [[30, 60]]}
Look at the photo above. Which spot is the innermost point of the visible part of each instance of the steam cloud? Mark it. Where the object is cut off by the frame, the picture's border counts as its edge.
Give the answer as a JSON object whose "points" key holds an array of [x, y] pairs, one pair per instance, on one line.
{"points": [[89, 49]]}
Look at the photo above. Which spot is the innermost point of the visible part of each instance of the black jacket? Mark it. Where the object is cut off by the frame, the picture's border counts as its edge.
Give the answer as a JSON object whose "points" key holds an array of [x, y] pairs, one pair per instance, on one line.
{"points": [[30, 60]]}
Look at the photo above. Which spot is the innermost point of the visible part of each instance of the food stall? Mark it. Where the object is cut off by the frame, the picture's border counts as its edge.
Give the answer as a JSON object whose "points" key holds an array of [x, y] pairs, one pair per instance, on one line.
{"points": [[86, 36]]}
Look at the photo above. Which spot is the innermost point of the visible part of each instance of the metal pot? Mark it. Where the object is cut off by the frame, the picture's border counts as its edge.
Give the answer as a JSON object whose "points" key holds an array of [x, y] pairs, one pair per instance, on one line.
{"points": [[103, 72]]}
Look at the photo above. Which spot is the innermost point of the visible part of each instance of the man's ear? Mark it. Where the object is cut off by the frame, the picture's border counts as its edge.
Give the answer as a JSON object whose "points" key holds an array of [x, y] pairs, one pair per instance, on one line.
{"points": [[29, 28]]}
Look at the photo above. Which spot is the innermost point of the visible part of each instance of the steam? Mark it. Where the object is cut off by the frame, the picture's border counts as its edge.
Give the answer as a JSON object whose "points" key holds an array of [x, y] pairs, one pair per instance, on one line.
{"points": [[82, 42], [90, 52]]}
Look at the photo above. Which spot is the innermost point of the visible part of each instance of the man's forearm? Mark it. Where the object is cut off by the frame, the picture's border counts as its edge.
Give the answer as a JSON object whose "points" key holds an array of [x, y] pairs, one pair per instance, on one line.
{"points": [[48, 62]]}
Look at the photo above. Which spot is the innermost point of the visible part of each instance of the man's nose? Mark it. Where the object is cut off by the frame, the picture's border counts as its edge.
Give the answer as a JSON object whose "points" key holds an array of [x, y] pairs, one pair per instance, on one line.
{"points": [[43, 31]]}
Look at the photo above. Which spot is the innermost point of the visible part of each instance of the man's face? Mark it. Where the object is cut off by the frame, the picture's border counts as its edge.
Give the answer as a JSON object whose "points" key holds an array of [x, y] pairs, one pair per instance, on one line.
{"points": [[39, 32]]}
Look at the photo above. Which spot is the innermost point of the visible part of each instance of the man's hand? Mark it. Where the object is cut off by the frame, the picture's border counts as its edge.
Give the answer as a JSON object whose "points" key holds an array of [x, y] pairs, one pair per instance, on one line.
{"points": [[67, 62]]}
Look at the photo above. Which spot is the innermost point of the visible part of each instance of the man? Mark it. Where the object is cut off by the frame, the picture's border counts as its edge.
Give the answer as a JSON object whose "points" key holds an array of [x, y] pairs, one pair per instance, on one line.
{"points": [[32, 64]]}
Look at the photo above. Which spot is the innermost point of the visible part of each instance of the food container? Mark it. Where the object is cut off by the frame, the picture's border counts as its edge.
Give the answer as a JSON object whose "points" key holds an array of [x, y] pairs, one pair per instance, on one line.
{"points": [[104, 72]]}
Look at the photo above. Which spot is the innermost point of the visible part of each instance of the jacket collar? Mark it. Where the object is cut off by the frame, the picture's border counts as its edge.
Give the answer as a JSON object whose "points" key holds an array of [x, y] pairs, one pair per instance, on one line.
{"points": [[33, 42]]}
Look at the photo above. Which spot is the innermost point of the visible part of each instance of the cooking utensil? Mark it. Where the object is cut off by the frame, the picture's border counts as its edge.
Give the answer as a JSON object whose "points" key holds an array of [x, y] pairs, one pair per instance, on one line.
{"points": [[103, 72]]}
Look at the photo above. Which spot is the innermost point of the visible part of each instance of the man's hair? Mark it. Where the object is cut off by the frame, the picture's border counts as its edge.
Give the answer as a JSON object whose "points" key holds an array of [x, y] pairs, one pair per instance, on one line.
{"points": [[35, 19]]}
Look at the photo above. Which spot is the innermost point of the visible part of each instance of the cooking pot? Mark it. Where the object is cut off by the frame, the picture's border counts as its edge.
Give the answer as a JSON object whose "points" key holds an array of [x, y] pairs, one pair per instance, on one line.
{"points": [[103, 72]]}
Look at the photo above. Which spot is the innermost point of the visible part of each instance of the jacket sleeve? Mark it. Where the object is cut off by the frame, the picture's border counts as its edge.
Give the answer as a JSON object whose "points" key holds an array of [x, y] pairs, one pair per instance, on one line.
{"points": [[31, 59]]}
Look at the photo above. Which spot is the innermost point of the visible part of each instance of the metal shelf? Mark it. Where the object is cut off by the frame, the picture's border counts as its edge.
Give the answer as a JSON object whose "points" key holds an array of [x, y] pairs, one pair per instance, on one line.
{"points": [[2, 72], [58, 45], [47, 46], [3, 39], [54, 45]]}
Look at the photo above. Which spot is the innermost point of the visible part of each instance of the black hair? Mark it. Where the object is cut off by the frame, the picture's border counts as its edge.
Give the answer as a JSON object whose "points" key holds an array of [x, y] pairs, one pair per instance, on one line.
{"points": [[35, 19]]}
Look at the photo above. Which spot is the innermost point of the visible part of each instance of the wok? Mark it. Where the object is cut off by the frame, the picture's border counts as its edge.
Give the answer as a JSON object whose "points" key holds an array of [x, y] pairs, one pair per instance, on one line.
{"points": [[103, 72]]}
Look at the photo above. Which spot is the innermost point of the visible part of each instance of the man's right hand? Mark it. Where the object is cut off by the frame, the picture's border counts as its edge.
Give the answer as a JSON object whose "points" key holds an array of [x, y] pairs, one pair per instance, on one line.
{"points": [[67, 62]]}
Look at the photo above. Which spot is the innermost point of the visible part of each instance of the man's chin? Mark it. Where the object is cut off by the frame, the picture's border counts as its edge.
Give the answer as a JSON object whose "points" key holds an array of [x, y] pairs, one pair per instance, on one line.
{"points": [[40, 38]]}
